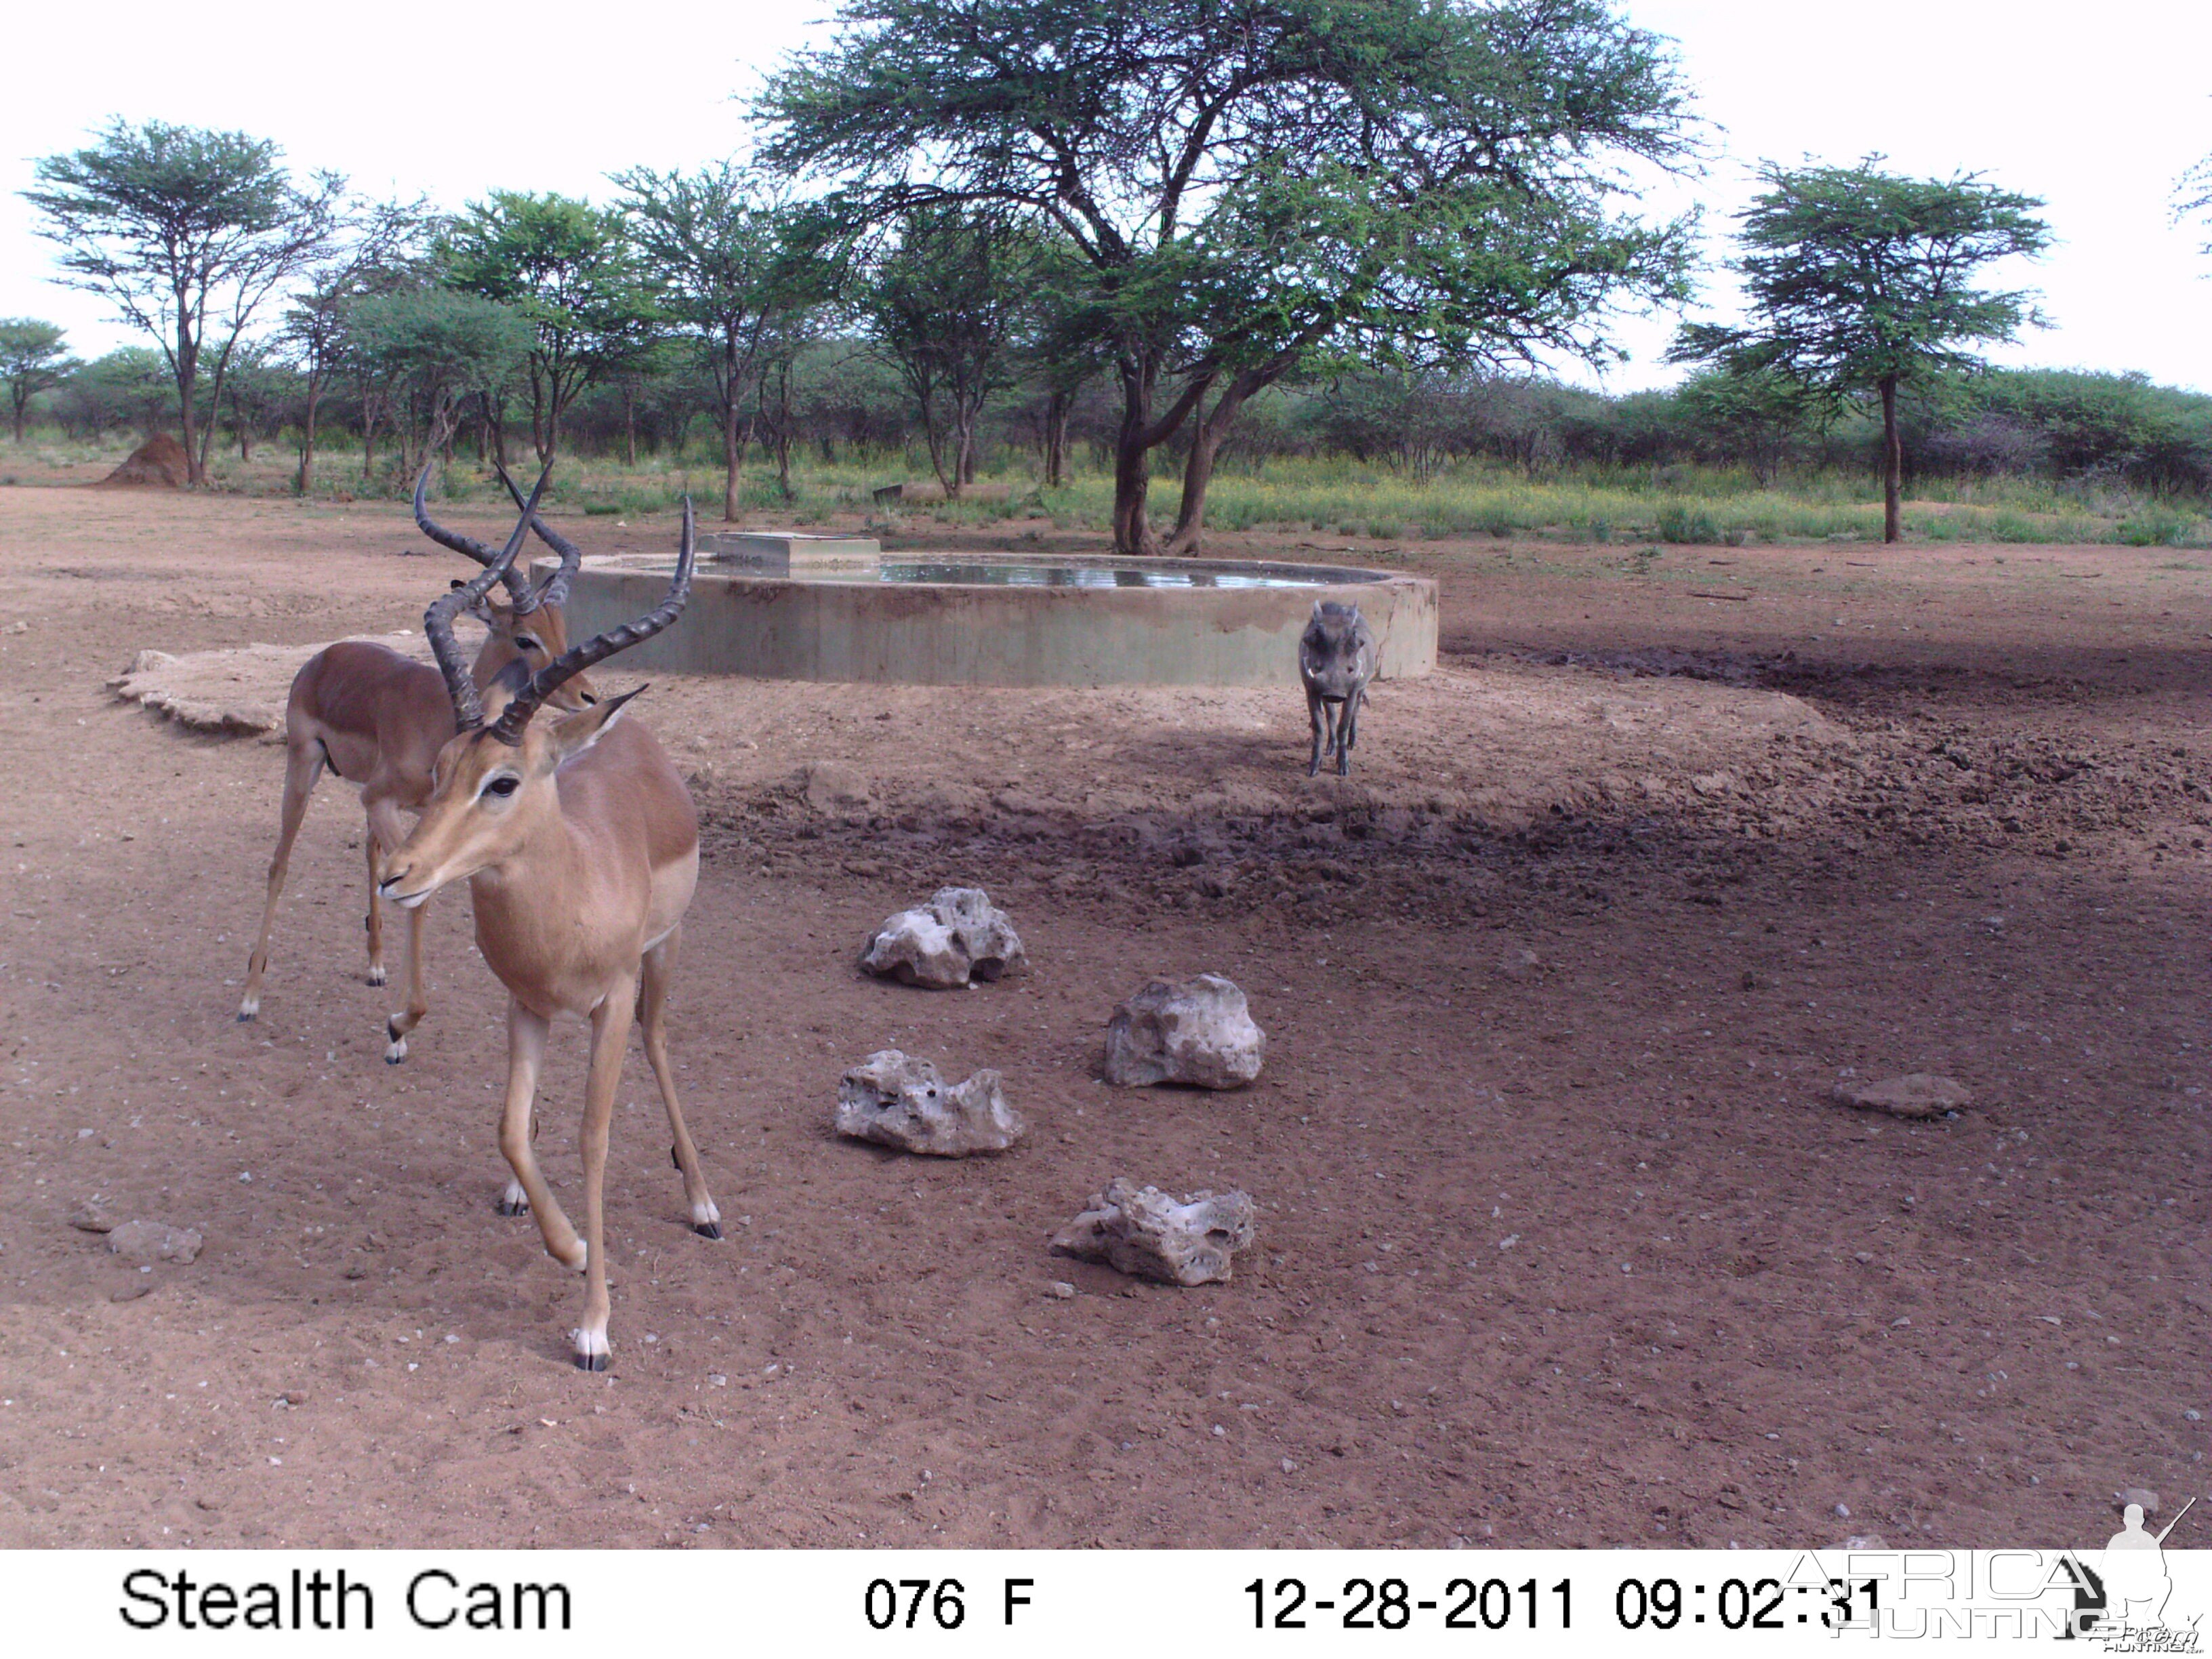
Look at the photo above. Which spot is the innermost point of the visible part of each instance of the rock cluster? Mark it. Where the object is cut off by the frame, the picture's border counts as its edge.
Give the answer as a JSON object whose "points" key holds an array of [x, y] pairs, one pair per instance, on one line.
{"points": [[896, 1100], [1142, 1232], [959, 936], [1196, 1030], [152, 1241]]}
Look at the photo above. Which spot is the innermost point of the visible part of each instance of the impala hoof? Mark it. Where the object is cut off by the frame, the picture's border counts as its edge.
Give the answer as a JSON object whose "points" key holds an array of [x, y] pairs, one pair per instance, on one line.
{"points": [[248, 1008], [376, 975], [397, 1052], [244, 1017], [707, 1229], [593, 1351], [512, 1206]]}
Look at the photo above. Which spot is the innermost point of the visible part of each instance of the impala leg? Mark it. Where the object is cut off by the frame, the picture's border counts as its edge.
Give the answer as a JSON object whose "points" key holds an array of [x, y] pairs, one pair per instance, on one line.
{"points": [[611, 1023], [526, 1052], [303, 767], [658, 968], [387, 829], [375, 923]]}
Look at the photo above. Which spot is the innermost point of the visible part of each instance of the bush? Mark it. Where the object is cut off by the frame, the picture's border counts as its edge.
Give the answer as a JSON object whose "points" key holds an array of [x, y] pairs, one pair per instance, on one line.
{"points": [[1682, 523], [2156, 525]]}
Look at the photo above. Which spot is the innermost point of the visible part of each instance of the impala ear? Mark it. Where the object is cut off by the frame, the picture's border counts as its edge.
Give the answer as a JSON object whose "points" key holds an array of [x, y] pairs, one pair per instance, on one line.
{"points": [[481, 608], [572, 734]]}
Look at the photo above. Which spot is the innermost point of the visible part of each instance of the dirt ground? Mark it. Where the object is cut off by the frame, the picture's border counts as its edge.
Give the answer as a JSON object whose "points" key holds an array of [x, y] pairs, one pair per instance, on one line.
{"points": [[1562, 1239]]}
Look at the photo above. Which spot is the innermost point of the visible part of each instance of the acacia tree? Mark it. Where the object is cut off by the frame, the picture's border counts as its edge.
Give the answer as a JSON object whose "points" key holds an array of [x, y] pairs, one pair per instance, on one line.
{"points": [[1246, 184], [1756, 413], [430, 350], [717, 241], [801, 295], [378, 249], [572, 271], [946, 302], [187, 233], [1860, 284], [32, 359], [256, 391]]}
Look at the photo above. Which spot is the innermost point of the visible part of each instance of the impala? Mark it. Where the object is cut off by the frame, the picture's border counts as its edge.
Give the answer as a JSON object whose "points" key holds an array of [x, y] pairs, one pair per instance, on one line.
{"points": [[580, 848], [377, 719]]}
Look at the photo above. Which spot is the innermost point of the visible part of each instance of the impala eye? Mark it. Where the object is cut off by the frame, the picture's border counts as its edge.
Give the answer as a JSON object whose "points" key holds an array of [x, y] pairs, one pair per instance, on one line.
{"points": [[526, 642], [503, 786]]}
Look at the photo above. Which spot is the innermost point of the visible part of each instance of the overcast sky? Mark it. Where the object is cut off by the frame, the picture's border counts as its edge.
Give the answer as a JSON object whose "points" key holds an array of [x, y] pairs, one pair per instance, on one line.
{"points": [[2097, 108]]}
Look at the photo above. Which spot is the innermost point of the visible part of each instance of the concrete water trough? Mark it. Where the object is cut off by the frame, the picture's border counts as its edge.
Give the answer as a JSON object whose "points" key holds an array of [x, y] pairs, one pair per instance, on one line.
{"points": [[832, 608]]}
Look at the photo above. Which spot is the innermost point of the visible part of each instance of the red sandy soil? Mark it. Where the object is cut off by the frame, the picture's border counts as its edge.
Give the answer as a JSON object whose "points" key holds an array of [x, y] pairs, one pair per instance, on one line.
{"points": [[1563, 1240]]}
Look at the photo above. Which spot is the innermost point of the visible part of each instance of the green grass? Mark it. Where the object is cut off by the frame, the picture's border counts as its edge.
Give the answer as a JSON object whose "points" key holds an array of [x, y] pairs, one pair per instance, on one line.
{"points": [[1304, 498]]}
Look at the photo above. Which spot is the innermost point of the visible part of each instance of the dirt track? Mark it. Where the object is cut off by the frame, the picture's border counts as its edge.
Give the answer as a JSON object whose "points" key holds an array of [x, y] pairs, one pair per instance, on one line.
{"points": [[1562, 1239]]}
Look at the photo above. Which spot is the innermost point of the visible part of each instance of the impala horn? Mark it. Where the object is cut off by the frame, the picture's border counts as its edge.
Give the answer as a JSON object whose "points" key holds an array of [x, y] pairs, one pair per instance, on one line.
{"points": [[554, 588], [438, 620], [517, 584], [508, 728]]}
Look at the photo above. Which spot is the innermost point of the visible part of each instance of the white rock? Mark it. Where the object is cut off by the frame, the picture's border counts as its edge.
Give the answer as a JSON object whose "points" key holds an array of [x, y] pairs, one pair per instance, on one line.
{"points": [[959, 935], [1143, 1232], [1916, 1093], [898, 1101], [152, 1241], [1196, 1030]]}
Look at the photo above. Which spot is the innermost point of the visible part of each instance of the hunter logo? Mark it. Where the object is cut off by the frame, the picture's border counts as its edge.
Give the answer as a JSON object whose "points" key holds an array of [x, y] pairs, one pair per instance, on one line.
{"points": [[2121, 1604]]}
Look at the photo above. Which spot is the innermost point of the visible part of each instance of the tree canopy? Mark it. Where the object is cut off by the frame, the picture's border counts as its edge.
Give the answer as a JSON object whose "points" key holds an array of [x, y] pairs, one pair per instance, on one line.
{"points": [[1243, 186], [570, 269], [1860, 282], [433, 348], [2192, 196]]}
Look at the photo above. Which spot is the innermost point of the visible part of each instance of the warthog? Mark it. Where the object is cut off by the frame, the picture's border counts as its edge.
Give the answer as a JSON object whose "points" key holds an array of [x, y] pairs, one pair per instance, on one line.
{"points": [[1336, 660]]}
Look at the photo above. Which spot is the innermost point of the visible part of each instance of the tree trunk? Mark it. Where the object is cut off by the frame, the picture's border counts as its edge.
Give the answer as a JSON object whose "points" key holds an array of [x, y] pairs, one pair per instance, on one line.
{"points": [[783, 441], [1055, 438], [1197, 469], [933, 435], [215, 408], [22, 398], [1133, 531], [1893, 465], [187, 366], [733, 461], [306, 482], [630, 424]]}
